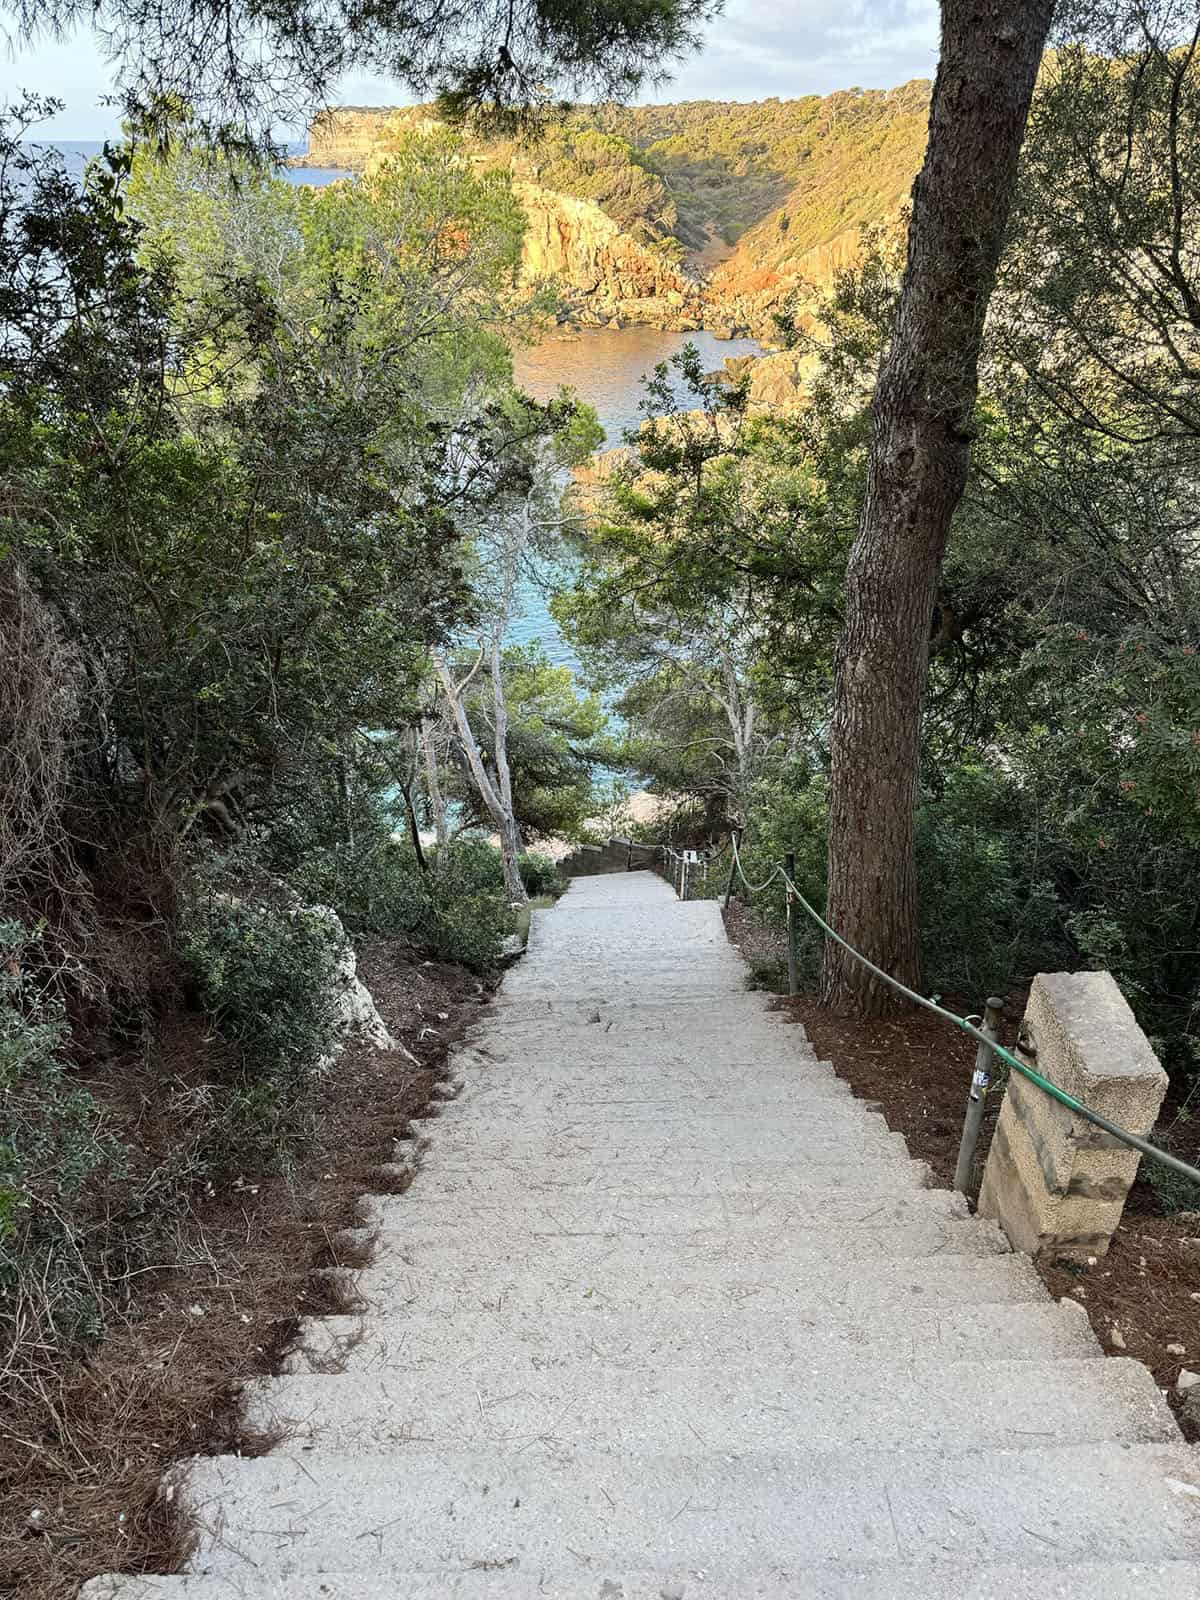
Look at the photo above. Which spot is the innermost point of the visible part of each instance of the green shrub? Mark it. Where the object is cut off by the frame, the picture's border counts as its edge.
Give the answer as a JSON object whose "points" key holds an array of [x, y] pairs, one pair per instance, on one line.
{"points": [[454, 910], [471, 864], [1174, 1191], [539, 874], [789, 811], [54, 1151], [264, 974]]}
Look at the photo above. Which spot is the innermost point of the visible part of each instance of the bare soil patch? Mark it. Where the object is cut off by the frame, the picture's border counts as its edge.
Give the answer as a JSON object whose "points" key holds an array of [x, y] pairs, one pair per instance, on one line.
{"points": [[917, 1069], [83, 1444]]}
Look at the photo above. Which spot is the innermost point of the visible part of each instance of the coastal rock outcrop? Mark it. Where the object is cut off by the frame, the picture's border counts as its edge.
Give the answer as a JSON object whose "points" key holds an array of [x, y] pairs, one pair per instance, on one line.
{"points": [[347, 136], [707, 214], [605, 273]]}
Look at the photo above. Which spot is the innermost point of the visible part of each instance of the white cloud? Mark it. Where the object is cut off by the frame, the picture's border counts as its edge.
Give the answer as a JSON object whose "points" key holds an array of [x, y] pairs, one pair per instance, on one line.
{"points": [[756, 49]]}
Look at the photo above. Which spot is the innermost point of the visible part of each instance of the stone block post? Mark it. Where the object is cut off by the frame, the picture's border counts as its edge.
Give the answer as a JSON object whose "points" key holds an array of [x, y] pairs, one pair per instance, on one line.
{"points": [[1055, 1182]]}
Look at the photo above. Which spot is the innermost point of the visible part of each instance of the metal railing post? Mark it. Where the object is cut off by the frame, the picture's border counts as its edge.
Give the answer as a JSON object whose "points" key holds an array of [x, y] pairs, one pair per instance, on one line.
{"points": [[683, 878], [733, 863], [793, 977], [977, 1098]]}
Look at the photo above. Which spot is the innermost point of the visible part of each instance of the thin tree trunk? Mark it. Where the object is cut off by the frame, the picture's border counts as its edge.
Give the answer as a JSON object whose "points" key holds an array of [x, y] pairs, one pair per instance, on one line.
{"points": [[433, 784], [923, 418], [510, 847], [511, 843], [414, 831]]}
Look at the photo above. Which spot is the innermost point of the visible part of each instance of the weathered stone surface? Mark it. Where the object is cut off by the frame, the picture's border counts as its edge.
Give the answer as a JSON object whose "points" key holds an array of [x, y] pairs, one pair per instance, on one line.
{"points": [[1054, 1181], [357, 1014], [603, 270]]}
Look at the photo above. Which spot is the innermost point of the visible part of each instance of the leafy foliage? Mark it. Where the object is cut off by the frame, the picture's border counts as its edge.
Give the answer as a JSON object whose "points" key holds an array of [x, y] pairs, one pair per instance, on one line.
{"points": [[265, 976], [248, 67], [54, 1150]]}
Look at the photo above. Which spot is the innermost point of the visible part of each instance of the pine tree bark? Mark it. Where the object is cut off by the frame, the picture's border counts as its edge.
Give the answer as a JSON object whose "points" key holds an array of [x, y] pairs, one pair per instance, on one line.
{"points": [[920, 450]]}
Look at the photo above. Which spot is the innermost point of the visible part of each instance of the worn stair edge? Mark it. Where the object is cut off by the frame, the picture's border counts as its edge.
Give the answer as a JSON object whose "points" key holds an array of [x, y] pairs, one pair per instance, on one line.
{"points": [[674, 1176], [827, 1286], [1167, 1580], [785, 1244], [454, 1145], [1099, 1502], [806, 1406], [413, 1341], [424, 1208]]}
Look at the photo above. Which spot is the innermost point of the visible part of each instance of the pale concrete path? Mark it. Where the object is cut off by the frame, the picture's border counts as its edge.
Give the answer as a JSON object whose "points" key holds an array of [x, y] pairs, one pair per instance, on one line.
{"points": [[667, 1312]]}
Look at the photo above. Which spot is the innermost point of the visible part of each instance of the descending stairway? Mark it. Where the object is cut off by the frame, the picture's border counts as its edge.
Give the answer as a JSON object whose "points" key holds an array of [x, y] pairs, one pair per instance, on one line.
{"points": [[668, 1313]]}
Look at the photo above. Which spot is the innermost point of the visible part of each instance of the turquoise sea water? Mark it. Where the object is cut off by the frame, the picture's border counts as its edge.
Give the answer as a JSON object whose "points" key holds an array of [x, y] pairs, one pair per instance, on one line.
{"points": [[605, 367]]}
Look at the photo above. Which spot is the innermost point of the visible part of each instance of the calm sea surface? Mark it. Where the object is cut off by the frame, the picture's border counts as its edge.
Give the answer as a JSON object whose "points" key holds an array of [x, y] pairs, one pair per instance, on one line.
{"points": [[604, 366], [78, 152]]}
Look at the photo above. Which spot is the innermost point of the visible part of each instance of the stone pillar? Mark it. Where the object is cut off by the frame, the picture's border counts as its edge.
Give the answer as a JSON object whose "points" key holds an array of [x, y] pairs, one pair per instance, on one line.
{"points": [[1056, 1183]]}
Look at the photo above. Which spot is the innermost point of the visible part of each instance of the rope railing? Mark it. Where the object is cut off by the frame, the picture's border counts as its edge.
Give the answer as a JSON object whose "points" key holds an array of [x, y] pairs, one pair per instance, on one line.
{"points": [[985, 1041]]}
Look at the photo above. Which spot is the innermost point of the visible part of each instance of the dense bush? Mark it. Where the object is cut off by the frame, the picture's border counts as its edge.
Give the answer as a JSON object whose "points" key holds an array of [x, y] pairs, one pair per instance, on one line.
{"points": [[988, 912], [53, 1150], [453, 909], [989, 915], [539, 874], [264, 974], [787, 812]]}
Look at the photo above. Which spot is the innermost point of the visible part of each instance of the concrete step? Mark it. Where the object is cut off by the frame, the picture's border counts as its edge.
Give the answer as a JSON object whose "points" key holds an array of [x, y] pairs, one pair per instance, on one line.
{"points": [[670, 1031], [722, 1012], [936, 1580], [682, 1040], [614, 1064], [636, 978], [847, 1123], [608, 1091], [636, 972], [424, 1214], [497, 1105], [791, 1247], [804, 1286], [1004, 1405], [627, 1177], [751, 1510], [822, 1143], [623, 1060], [661, 1335]]}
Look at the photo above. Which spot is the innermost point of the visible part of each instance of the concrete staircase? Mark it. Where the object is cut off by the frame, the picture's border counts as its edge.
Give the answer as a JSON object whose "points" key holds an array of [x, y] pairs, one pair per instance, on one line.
{"points": [[669, 1313]]}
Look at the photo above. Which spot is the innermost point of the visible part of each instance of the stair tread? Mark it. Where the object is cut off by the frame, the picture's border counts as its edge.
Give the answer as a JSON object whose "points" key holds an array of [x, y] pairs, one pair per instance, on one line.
{"points": [[941, 1580], [1136, 1502], [413, 1340], [806, 1404]]}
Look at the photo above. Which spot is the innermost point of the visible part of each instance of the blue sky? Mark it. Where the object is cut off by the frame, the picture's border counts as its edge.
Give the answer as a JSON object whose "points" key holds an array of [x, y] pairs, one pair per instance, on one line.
{"points": [[754, 50]]}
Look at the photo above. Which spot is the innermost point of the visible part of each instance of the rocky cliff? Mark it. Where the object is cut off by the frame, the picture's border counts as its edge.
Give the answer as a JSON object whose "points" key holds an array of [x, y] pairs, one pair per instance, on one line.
{"points": [[680, 216], [346, 137], [605, 274]]}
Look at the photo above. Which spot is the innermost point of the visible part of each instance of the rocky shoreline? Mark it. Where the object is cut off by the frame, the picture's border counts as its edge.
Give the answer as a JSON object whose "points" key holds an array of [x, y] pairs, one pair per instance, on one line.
{"points": [[609, 278]]}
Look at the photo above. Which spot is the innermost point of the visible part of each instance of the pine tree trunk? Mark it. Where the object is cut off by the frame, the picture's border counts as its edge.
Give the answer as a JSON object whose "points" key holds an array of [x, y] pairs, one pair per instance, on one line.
{"points": [[920, 449]]}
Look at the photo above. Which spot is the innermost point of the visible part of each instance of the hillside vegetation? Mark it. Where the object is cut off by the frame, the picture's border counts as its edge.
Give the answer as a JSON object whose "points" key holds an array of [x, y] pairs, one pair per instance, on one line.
{"points": [[792, 174], [774, 178]]}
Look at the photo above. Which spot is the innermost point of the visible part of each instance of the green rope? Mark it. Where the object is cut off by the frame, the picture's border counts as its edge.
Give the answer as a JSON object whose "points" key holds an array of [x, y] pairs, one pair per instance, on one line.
{"points": [[1135, 1141]]}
